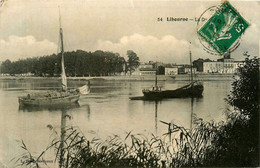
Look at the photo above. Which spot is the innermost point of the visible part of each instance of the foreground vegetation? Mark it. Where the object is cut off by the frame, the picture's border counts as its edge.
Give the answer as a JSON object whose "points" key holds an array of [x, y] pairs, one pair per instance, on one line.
{"points": [[234, 142]]}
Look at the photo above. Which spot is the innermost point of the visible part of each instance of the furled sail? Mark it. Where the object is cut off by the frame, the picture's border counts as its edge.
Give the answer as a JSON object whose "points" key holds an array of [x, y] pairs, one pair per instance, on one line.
{"points": [[63, 74]]}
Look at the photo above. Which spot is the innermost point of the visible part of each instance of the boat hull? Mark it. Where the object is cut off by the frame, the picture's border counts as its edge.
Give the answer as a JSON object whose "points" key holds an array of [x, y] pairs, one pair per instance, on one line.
{"points": [[49, 100], [192, 91]]}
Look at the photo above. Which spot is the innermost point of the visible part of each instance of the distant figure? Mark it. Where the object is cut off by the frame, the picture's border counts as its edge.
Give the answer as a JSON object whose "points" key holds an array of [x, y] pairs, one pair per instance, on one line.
{"points": [[28, 96]]}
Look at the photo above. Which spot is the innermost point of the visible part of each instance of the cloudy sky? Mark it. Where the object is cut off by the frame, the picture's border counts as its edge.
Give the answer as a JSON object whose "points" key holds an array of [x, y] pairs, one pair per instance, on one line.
{"points": [[29, 28]]}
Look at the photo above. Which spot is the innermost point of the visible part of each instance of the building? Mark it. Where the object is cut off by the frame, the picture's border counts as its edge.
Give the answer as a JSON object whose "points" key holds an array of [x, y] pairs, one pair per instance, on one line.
{"points": [[145, 69], [223, 65], [213, 67], [171, 71], [185, 69], [198, 64]]}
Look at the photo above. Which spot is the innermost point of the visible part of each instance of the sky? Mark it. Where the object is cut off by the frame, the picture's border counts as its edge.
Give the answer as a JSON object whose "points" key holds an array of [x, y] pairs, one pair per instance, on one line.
{"points": [[30, 28]]}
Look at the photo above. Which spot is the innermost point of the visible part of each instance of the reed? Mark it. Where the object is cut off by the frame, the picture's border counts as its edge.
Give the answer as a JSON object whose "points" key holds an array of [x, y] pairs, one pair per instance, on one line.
{"points": [[185, 148], [196, 147]]}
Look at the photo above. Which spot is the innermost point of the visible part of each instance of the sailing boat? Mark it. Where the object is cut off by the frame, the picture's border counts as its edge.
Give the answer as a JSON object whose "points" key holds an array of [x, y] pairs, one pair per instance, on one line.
{"points": [[63, 96], [193, 89]]}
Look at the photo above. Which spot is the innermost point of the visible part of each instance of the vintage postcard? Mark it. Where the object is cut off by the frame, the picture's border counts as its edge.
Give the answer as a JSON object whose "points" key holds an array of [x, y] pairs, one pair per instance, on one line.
{"points": [[129, 83]]}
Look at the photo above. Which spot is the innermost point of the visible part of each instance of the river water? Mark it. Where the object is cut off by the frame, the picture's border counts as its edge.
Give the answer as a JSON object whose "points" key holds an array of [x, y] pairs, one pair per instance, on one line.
{"points": [[105, 111]]}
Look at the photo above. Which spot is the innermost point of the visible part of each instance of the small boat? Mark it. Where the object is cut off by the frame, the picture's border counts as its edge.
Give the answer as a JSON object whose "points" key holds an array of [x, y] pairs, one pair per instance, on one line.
{"points": [[58, 97], [193, 89]]}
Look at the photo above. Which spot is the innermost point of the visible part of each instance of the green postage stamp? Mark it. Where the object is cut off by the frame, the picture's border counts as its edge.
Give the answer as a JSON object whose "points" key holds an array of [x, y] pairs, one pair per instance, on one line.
{"points": [[223, 28]]}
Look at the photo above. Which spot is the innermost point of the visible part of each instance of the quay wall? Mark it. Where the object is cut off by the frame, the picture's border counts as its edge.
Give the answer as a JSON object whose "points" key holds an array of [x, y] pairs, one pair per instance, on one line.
{"points": [[182, 77]]}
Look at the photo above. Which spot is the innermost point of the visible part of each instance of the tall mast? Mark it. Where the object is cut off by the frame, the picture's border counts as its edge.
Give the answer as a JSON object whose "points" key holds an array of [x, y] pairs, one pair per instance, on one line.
{"points": [[63, 74], [156, 75], [191, 66]]}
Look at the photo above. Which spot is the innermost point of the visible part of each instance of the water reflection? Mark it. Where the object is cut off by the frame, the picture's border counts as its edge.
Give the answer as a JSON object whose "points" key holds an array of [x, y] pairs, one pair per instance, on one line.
{"points": [[62, 136], [191, 112], [49, 107], [155, 102], [155, 117], [88, 111]]}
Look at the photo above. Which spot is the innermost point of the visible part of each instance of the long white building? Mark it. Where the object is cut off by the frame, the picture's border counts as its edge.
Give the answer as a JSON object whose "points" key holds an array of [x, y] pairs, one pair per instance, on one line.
{"points": [[224, 65]]}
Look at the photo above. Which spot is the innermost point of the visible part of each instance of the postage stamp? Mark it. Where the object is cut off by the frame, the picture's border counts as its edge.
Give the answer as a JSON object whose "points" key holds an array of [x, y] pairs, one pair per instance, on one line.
{"points": [[224, 28]]}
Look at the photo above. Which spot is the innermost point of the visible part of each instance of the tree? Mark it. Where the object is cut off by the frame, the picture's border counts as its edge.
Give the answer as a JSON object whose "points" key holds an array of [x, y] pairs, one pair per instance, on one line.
{"points": [[119, 64], [6, 66], [77, 63], [236, 142], [133, 61], [245, 99], [245, 92], [160, 70]]}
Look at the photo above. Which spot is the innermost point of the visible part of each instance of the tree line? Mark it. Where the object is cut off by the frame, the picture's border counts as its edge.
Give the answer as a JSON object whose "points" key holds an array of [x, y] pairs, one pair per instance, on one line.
{"points": [[77, 63]]}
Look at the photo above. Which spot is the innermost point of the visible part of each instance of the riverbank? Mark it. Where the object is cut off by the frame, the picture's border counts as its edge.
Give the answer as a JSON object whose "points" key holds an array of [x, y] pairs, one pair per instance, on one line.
{"points": [[182, 77]]}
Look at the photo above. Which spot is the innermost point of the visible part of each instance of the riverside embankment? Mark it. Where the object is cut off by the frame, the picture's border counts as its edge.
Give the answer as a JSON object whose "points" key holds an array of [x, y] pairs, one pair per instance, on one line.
{"points": [[181, 77]]}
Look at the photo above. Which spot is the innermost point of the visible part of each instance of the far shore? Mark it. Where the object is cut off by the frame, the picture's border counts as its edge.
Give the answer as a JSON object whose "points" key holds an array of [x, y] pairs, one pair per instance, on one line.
{"points": [[180, 77]]}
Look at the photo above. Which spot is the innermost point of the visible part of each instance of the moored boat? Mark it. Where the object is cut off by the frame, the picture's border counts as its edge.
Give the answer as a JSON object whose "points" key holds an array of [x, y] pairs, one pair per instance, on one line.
{"points": [[193, 89], [57, 97], [50, 98]]}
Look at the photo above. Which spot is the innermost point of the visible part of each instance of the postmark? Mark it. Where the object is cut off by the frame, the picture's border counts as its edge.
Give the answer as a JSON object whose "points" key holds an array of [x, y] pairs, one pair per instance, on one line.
{"points": [[221, 33]]}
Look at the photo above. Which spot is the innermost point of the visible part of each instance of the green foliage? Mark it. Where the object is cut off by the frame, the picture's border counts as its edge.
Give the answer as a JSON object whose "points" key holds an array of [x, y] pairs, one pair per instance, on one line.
{"points": [[133, 61], [6, 66], [238, 139], [77, 63], [233, 144], [245, 93], [18, 67], [161, 70], [236, 142], [113, 152], [185, 148]]}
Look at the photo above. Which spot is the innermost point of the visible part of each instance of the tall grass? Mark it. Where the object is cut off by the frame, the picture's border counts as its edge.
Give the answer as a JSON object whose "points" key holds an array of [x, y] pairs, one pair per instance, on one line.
{"points": [[184, 148], [179, 147]]}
